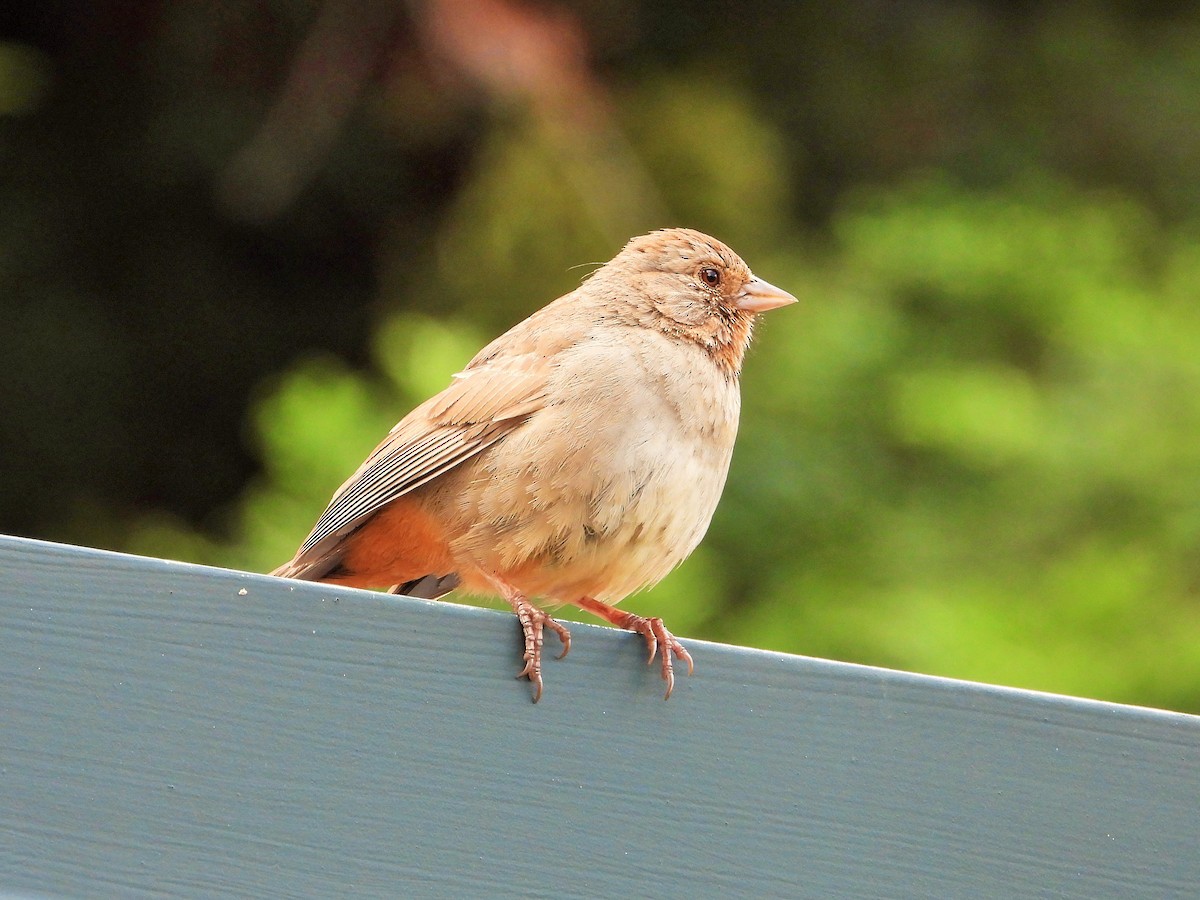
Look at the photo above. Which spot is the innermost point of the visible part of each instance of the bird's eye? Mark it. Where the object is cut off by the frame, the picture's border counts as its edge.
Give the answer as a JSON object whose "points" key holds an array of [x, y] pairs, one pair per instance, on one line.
{"points": [[711, 277]]}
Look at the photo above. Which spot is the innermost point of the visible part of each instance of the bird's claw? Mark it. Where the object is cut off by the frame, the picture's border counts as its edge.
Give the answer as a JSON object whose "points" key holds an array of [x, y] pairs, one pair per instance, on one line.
{"points": [[533, 622], [661, 642]]}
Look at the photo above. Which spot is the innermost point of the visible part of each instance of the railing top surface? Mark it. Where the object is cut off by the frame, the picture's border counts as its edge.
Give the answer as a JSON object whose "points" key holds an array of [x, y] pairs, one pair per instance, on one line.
{"points": [[196, 731]]}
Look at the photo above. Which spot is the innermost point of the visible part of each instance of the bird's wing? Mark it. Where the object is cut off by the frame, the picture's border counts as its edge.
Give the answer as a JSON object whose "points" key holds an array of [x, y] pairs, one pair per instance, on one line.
{"points": [[479, 408]]}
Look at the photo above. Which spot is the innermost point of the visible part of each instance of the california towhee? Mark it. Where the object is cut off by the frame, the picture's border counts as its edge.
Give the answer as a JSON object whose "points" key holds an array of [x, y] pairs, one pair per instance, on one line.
{"points": [[578, 457]]}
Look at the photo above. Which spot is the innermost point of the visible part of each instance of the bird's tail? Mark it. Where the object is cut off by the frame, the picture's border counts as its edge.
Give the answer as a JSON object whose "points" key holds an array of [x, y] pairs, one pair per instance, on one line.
{"points": [[311, 567], [427, 587]]}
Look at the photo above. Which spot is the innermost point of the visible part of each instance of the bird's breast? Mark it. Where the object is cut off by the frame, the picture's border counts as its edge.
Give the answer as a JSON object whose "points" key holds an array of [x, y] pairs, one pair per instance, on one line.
{"points": [[608, 489]]}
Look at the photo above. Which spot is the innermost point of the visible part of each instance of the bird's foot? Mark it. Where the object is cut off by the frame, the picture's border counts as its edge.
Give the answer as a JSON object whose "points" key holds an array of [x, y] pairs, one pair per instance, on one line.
{"points": [[662, 642], [659, 641], [533, 622]]}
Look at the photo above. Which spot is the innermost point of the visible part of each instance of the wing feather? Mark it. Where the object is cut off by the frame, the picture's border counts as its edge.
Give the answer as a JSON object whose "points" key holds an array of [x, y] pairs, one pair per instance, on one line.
{"points": [[478, 409]]}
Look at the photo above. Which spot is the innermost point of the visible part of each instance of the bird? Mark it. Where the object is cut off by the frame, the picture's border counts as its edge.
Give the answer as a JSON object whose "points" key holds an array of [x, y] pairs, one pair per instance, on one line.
{"points": [[578, 458]]}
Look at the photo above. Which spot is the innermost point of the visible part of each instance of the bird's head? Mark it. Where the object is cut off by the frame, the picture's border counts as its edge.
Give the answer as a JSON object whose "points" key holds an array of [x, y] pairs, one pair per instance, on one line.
{"points": [[696, 288]]}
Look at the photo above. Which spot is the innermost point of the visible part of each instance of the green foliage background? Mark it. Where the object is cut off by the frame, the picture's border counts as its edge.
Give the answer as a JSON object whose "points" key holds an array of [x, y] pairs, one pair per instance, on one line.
{"points": [[973, 449]]}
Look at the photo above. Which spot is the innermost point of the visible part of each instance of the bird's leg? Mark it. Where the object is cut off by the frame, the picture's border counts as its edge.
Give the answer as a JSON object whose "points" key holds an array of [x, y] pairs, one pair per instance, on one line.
{"points": [[658, 639], [533, 622]]}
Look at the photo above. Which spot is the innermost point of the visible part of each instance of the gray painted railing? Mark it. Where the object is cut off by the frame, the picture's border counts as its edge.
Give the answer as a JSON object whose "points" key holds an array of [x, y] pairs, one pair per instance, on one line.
{"points": [[169, 729]]}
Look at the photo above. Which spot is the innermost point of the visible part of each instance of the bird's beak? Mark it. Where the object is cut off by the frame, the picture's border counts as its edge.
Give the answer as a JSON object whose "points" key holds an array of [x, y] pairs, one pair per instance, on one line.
{"points": [[759, 296]]}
